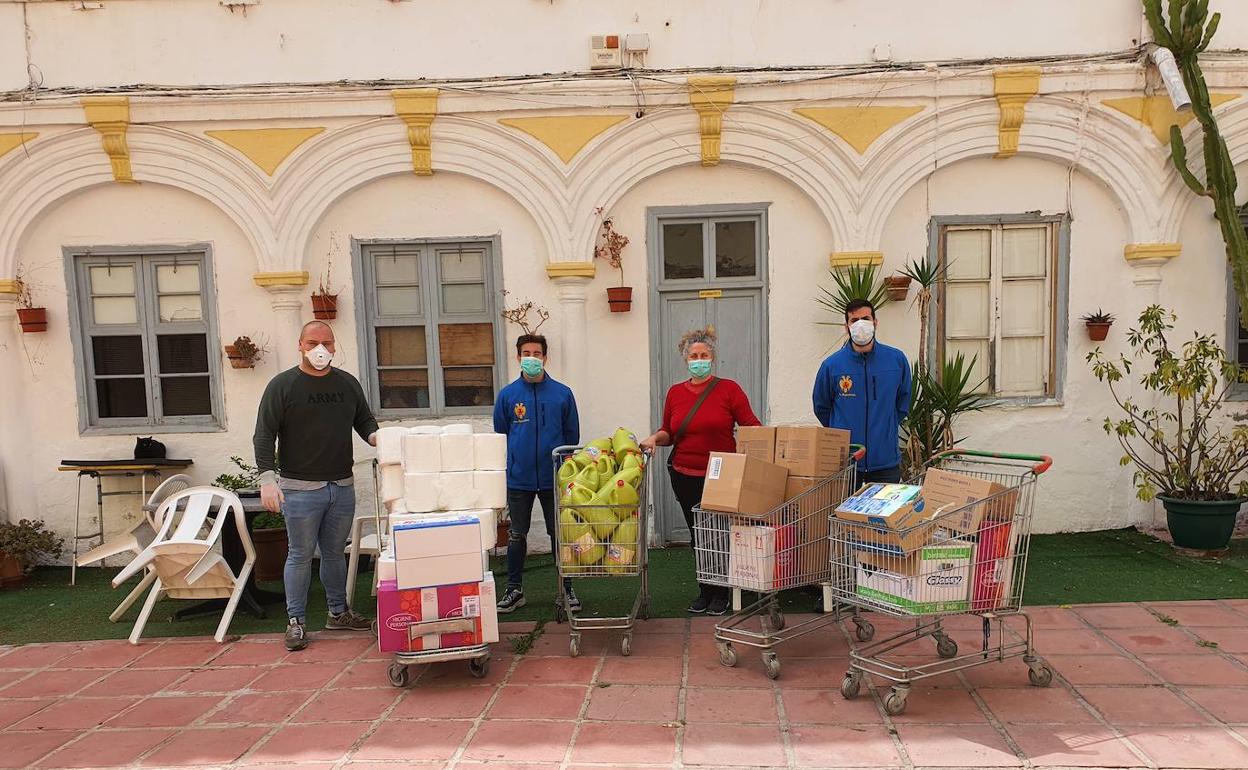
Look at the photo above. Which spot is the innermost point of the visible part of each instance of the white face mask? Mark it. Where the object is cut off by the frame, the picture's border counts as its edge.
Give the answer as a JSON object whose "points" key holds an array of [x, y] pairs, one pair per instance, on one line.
{"points": [[862, 332], [319, 357]]}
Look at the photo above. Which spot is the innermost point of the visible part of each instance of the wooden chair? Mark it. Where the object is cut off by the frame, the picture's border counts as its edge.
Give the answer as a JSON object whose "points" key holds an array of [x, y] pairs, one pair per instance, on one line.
{"points": [[185, 556]]}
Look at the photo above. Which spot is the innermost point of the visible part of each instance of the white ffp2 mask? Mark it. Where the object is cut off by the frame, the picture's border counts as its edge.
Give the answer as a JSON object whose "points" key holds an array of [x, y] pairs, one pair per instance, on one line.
{"points": [[862, 331], [319, 357]]}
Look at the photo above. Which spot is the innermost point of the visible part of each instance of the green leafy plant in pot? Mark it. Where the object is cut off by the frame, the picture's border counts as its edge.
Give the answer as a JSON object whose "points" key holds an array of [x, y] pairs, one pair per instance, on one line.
{"points": [[23, 546], [1098, 324], [268, 530], [1187, 453]]}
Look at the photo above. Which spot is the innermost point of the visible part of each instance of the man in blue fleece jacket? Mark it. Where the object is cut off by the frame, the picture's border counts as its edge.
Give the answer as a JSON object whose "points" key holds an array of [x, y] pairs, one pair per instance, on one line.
{"points": [[864, 388], [538, 414]]}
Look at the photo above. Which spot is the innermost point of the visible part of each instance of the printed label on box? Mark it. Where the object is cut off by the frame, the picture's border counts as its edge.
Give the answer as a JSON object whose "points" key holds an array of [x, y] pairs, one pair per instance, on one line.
{"points": [[715, 468], [471, 606]]}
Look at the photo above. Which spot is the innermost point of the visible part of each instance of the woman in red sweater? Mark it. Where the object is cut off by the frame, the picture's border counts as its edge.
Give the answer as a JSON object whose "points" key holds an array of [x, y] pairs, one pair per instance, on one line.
{"points": [[711, 429]]}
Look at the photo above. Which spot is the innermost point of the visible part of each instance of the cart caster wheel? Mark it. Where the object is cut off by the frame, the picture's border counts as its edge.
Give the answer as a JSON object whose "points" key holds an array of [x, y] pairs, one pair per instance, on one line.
{"points": [[1040, 675], [864, 631], [399, 676], [895, 703], [851, 685], [479, 667], [771, 665], [727, 655], [946, 647], [776, 618], [626, 646], [574, 645]]}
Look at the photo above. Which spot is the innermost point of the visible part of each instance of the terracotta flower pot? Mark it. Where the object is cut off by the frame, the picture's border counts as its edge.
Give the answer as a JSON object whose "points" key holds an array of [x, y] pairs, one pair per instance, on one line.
{"points": [[33, 319], [1097, 332], [897, 287], [271, 546], [325, 306], [620, 299], [238, 360], [11, 574]]}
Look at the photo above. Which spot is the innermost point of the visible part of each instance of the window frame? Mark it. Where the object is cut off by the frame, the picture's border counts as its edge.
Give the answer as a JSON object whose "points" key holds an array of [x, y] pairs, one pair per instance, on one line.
{"points": [[1059, 294], [368, 318], [77, 261], [708, 216]]}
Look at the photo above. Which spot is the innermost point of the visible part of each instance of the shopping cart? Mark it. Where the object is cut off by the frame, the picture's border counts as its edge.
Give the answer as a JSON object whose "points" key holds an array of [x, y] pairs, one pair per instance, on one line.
{"points": [[784, 548], [598, 540], [968, 559]]}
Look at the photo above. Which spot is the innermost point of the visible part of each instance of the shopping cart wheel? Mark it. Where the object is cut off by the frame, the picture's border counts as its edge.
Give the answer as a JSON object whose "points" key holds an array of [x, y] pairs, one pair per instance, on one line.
{"points": [[574, 645], [946, 647], [895, 703], [776, 618], [398, 675], [771, 665], [479, 667], [626, 645], [864, 630], [851, 685], [1040, 675], [727, 655]]}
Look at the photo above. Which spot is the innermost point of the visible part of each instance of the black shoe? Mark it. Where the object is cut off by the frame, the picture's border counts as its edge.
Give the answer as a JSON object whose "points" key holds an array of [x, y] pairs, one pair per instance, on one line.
{"points": [[513, 598], [718, 606], [699, 605]]}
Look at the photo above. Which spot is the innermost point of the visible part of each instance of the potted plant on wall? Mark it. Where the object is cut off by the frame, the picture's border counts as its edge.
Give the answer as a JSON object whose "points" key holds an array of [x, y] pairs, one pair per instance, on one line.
{"points": [[325, 299], [33, 319], [1098, 324], [243, 353], [897, 286], [23, 546], [1186, 453], [268, 530], [610, 245]]}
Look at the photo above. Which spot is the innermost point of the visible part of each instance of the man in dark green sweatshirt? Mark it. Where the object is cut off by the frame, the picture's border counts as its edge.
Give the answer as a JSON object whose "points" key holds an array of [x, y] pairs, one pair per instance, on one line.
{"points": [[309, 412]]}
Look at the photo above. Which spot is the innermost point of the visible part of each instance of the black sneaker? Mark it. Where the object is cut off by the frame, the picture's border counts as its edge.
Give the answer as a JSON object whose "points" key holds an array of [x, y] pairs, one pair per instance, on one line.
{"points": [[348, 620], [718, 606], [513, 598], [699, 605], [296, 635], [574, 604]]}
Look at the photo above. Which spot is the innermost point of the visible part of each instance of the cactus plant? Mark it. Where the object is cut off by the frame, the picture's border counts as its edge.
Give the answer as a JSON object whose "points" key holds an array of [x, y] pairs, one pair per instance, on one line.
{"points": [[1187, 33]]}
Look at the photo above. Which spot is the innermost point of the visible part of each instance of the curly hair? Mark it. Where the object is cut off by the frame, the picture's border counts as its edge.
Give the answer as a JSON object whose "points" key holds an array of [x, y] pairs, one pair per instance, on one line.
{"points": [[694, 337]]}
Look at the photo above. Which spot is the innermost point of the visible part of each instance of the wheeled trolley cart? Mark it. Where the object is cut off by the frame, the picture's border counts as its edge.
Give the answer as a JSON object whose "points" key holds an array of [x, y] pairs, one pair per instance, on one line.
{"points": [[962, 551], [787, 547], [602, 534]]}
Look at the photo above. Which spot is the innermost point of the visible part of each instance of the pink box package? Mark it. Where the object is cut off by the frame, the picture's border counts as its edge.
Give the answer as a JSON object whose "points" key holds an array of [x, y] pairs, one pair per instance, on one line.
{"points": [[399, 609]]}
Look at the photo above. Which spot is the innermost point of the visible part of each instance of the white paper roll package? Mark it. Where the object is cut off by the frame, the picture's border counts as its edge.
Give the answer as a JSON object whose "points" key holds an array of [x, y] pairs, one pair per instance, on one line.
{"points": [[485, 516], [456, 491], [391, 483], [426, 430], [457, 452], [422, 453], [390, 445], [457, 429], [489, 451], [491, 488], [421, 491]]}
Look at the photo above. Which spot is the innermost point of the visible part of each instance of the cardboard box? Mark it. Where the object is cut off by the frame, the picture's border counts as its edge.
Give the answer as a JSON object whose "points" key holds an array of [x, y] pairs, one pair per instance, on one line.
{"points": [[760, 557], [438, 551], [399, 611], [950, 496], [934, 579], [810, 450], [889, 518], [757, 441], [737, 483], [489, 609]]}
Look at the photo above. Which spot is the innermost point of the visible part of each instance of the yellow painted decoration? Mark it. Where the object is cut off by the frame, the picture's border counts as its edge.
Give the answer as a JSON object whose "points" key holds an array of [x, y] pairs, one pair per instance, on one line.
{"points": [[417, 107], [566, 135], [1137, 251], [10, 286], [287, 278], [1013, 89], [858, 126], [571, 270], [711, 96], [710, 294], [1158, 114], [10, 142], [110, 115], [850, 258], [266, 147]]}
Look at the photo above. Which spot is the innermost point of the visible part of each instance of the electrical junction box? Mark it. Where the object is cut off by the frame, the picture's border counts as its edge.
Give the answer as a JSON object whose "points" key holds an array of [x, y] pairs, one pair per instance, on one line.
{"points": [[637, 42], [604, 52]]}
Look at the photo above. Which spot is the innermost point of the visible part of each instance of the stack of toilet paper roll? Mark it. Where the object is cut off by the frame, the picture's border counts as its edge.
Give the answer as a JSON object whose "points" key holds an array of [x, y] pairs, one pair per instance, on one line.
{"points": [[428, 468]]}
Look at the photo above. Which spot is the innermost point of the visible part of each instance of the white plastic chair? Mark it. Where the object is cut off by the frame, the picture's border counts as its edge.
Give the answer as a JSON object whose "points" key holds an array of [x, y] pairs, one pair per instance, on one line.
{"points": [[370, 544], [142, 536], [186, 560]]}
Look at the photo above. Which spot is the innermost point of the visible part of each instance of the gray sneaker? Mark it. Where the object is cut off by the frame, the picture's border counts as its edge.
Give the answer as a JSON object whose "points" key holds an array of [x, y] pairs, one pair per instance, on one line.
{"points": [[296, 635], [513, 599], [348, 620]]}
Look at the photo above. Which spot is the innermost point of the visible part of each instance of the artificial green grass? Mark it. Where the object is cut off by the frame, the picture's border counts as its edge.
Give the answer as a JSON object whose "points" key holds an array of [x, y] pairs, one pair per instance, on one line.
{"points": [[1084, 568]]}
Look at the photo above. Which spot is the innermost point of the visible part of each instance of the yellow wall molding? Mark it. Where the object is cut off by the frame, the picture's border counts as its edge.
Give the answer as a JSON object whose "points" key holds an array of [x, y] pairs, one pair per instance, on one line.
{"points": [[10, 142], [287, 278], [1138, 251], [858, 126], [566, 135], [266, 147], [1013, 89], [417, 107], [850, 258], [10, 286], [110, 115], [571, 270], [1157, 113], [711, 96]]}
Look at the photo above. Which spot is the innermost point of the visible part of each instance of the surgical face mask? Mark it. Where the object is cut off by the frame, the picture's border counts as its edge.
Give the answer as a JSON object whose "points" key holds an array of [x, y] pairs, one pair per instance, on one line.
{"points": [[699, 367], [531, 366], [862, 331], [319, 357]]}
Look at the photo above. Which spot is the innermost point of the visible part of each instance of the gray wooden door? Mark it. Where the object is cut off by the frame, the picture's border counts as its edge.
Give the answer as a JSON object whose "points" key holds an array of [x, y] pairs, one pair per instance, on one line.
{"points": [[711, 267]]}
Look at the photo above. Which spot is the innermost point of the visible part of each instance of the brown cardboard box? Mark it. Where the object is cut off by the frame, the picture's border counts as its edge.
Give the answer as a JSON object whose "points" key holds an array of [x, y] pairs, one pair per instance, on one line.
{"points": [[757, 441], [809, 450], [890, 517], [801, 540], [949, 497], [737, 483]]}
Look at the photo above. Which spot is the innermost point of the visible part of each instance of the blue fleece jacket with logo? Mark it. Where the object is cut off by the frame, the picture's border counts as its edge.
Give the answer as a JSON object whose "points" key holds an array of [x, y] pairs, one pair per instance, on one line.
{"points": [[866, 394], [537, 417]]}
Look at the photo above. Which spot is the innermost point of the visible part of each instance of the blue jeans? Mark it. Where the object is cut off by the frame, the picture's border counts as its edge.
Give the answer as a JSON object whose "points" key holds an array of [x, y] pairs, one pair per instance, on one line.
{"points": [[520, 508], [317, 517]]}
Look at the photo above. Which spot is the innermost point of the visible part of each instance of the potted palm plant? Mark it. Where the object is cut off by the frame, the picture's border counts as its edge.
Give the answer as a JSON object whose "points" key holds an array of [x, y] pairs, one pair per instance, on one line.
{"points": [[610, 247], [1186, 451], [851, 283], [1098, 324], [268, 530], [23, 546]]}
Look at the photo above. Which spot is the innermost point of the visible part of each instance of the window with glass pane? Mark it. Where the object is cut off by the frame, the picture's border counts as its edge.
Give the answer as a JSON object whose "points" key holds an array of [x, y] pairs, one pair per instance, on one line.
{"points": [[736, 249], [682, 250]]}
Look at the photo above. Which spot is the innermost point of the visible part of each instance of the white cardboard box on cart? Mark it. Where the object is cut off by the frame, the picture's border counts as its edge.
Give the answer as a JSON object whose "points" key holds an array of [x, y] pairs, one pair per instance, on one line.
{"points": [[935, 578]]}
